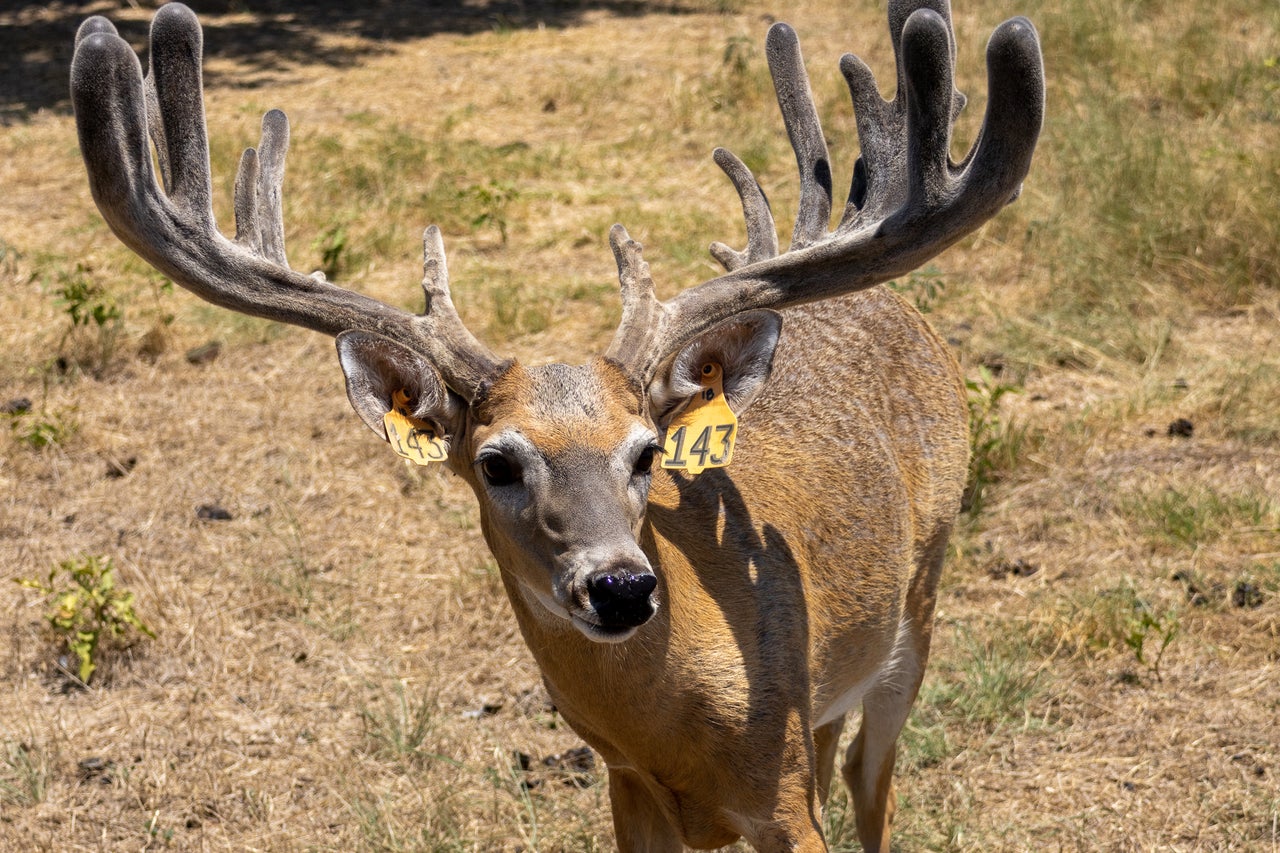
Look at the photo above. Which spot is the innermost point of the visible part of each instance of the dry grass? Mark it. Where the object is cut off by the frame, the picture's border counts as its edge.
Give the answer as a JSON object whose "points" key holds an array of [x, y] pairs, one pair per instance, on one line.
{"points": [[336, 667]]}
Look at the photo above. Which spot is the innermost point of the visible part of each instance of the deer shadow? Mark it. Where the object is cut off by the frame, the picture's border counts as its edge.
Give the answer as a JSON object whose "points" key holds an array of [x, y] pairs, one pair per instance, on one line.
{"points": [[748, 570]]}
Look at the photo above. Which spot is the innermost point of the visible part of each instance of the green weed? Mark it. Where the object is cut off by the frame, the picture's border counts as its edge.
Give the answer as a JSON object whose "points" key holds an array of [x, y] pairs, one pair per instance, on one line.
{"points": [[923, 287], [86, 608], [85, 301], [1146, 629], [88, 305], [155, 833], [401, 728], [995, 444], [1121, 618], [24, 774], [490, 204], [40, 430], [332, 246]]}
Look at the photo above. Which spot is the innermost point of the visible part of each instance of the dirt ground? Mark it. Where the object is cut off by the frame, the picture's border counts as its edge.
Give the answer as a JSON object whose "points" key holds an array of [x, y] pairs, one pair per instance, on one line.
{"points": [[335, 665]]}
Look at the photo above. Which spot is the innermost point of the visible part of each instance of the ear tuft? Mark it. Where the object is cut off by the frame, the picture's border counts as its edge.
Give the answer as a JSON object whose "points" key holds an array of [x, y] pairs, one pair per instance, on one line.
{"points": [[743, 346], [376, 367]]}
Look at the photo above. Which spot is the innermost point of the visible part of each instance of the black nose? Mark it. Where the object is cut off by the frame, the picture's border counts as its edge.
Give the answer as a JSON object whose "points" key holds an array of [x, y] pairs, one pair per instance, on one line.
{"points": [[620, 597]]}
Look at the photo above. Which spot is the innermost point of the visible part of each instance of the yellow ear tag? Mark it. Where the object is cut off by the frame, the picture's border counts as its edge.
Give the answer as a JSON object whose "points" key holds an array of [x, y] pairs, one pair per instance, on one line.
{"points": [[414, 439], [702, 435]]}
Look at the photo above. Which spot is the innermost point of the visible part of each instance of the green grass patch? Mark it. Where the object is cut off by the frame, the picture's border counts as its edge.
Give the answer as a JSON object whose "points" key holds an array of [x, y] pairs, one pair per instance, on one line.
{"points": [[1194, 517], [25, 774], [988, 680], [996, 442], [402, 728]]}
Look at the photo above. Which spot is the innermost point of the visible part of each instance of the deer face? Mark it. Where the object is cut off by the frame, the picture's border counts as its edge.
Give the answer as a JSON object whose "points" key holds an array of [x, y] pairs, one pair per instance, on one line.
{"points": [[561, 459]]}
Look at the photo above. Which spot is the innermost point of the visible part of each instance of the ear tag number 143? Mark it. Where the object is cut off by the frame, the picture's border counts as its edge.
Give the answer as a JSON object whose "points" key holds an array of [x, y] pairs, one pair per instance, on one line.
{"points": [[414, 439], [702, 435]]}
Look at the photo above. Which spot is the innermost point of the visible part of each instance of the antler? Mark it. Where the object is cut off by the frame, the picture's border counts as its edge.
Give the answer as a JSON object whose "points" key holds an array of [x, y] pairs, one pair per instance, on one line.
{"points": [[907, 201], [175, 230]]}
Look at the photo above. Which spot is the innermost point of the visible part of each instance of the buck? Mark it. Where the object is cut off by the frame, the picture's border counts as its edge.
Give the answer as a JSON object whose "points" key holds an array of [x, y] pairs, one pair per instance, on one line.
{"points": [[706, 627]]}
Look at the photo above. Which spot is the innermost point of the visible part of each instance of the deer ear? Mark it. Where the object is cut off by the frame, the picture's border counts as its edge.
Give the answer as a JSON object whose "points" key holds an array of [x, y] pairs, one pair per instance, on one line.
{"points": [[743, 346], [376, 368]]}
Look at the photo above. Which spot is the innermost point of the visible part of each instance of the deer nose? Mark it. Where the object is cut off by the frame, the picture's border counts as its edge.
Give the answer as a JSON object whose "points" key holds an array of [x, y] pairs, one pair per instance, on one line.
{"points": [[620, 597]]}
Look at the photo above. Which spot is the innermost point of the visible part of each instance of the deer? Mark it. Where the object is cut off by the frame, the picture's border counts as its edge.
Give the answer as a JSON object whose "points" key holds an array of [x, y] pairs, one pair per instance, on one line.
{"points": [[722, 536]]}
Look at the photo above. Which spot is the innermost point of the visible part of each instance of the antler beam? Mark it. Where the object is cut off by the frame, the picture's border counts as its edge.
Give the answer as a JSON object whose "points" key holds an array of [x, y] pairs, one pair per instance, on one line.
{"points": [[908, 200], [174, 229]]}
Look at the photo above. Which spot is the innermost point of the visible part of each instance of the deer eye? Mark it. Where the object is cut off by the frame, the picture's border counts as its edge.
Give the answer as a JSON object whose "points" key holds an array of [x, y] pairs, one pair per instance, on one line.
{"points": [[644, 462], [499, 471]]}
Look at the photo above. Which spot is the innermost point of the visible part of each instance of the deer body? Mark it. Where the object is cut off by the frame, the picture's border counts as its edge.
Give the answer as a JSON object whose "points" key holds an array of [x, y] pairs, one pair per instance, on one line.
{"points": [[706, 631], [790, 585]]}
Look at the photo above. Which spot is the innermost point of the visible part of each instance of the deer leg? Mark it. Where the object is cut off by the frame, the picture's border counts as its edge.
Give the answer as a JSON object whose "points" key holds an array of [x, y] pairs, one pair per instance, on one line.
{"points": [[795, 825], [825, 741], [639, 823], [868, 767]]}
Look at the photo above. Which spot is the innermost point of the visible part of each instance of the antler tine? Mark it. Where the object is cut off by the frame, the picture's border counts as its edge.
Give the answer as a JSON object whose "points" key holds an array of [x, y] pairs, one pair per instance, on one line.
{"points": [[641, 310], [466, 364], [795, 100], [762, 234], [177, 44], [176, 233], [908, 201], [259, 202]]}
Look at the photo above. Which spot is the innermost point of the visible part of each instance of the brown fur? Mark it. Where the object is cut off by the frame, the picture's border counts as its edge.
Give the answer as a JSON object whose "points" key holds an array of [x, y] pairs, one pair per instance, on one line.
{"points": [[782, 580]]}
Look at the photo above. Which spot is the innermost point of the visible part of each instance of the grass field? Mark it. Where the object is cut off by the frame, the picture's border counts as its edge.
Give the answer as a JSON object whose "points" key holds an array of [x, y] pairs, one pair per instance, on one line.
{"points": [[334, 664]]}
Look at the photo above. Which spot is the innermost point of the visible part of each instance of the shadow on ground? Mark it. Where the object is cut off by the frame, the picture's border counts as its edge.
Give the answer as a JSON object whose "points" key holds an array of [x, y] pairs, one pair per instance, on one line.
{"points": [[267, 37]]}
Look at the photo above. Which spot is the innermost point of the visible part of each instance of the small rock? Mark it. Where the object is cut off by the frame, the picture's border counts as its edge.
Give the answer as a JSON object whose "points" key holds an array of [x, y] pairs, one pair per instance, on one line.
{"points": [[487, 708], [1196, 597], [205, 353], [1181, 428], [995, 362], [212, 512], [1018, 568], [16, 406], [92, 768], [117, 468], [1246, 595], [575, 766], [524, 764]]}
